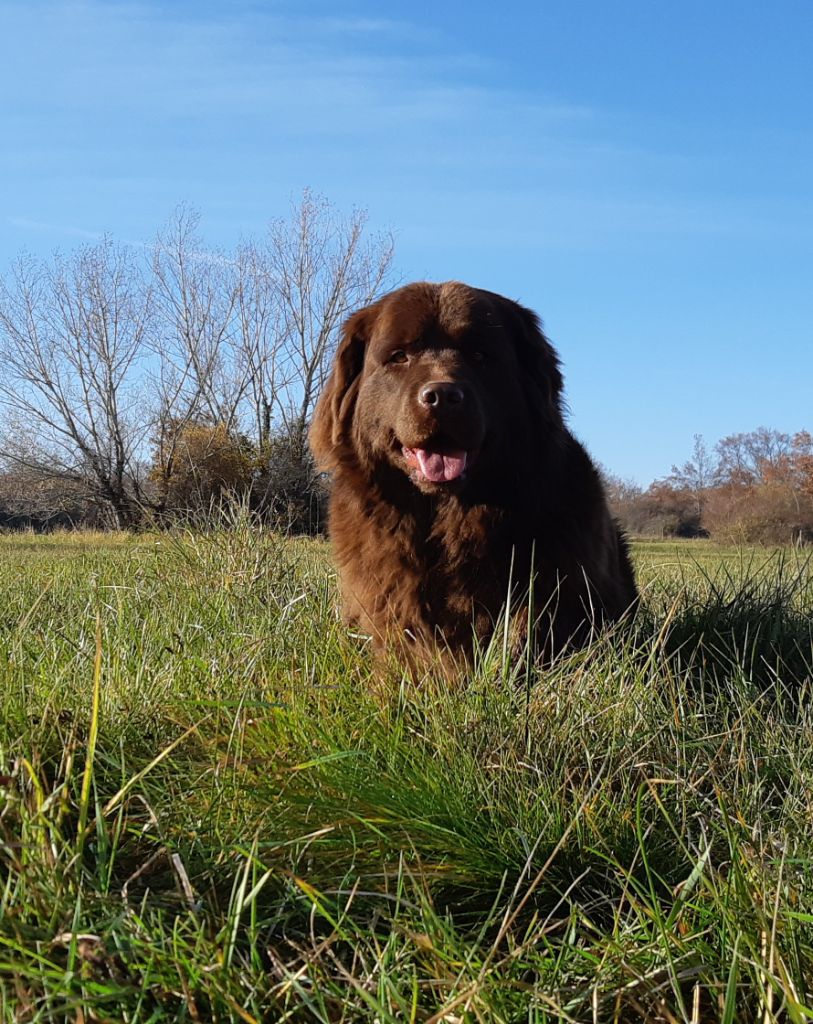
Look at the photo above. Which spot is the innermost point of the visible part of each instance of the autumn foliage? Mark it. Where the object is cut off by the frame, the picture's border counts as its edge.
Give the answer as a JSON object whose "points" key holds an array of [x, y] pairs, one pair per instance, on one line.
{"points": [[196, 464], [754, 487]]}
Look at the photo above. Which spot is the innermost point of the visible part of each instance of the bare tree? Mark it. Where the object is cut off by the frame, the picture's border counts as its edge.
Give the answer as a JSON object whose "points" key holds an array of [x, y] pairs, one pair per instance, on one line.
{"points": [[196, 377], [195, 294], [260, 342], [747, 459], [72, 338], [323, 266], [696, 475]]}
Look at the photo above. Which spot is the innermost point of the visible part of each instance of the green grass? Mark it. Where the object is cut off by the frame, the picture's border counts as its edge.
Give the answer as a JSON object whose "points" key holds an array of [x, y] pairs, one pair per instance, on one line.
{"points": [[214, 805]]}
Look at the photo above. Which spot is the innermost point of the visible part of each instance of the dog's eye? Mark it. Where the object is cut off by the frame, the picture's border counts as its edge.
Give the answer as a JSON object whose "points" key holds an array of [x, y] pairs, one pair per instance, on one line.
{"points": [[398, 356], [477, 355]]}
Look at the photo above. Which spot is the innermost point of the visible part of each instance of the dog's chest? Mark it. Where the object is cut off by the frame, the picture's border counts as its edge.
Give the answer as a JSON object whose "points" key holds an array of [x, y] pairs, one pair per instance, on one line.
{"points": [[467, 568]]}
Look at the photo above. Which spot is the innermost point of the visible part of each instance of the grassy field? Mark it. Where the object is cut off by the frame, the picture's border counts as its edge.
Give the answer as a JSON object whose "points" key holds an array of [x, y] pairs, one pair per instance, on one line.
{"points": [[215, 807]]}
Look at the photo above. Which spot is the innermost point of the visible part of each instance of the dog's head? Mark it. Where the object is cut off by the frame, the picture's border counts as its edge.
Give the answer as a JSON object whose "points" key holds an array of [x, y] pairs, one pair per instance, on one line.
{"points": [[442, 381]]}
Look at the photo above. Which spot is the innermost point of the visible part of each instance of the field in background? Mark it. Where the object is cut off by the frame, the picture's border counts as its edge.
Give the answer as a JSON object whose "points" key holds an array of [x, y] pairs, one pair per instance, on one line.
{"points": [[215, 807]]}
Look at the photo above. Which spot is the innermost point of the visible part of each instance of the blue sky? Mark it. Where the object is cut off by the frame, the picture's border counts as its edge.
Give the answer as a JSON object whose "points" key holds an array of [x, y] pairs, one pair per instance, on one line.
{"points": [[640, 173]]}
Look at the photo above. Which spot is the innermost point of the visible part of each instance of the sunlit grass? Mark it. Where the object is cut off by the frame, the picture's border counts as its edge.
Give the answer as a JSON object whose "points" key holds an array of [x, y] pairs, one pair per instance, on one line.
{"points": [[214, 805]]}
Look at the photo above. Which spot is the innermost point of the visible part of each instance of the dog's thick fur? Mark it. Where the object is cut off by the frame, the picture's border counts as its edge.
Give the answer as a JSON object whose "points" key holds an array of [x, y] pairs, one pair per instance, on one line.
{"points": [[453, 471]]}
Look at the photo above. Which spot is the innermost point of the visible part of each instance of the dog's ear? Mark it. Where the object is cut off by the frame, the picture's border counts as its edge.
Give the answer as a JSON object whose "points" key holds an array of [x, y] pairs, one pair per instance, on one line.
{"points": [[537, 357], [330, 429]]}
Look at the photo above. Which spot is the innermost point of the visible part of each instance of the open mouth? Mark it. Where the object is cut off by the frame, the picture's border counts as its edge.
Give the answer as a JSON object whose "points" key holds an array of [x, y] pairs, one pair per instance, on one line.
{"points": [[437, 464]]}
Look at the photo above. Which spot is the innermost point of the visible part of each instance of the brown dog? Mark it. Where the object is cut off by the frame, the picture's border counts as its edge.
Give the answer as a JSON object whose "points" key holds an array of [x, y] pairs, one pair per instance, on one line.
{"points": [[453, 471]]}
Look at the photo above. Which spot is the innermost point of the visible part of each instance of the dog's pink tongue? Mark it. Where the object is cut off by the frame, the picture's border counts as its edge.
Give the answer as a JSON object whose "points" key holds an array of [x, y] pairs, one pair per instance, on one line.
{"points": [[441, 467]]}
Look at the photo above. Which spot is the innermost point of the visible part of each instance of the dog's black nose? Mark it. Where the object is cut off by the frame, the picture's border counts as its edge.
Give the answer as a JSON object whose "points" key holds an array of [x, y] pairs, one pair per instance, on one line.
{"points": [[440, 393]]}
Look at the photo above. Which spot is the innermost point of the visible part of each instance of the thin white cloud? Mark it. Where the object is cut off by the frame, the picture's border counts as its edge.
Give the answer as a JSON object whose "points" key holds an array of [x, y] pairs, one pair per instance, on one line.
{"points": [[369, 27], [48, 227], [135, 58]]}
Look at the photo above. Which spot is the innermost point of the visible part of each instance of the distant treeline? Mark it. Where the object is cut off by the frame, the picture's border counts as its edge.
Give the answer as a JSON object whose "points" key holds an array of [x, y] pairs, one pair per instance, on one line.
{"points": [[754, 487]]}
